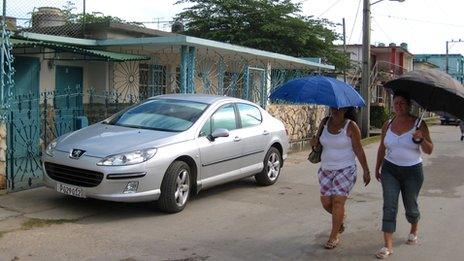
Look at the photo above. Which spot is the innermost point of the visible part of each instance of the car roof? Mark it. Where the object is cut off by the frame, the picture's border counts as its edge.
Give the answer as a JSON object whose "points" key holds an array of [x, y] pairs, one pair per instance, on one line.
{"points": [[203, 98]]}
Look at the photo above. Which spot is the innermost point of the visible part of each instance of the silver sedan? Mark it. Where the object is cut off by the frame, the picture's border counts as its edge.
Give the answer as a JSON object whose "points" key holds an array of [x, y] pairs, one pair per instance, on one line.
{"points": [[166, 148]]}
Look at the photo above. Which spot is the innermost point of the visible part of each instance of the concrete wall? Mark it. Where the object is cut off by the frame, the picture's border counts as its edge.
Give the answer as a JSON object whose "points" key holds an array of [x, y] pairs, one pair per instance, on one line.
{"points": [[301, 121]]}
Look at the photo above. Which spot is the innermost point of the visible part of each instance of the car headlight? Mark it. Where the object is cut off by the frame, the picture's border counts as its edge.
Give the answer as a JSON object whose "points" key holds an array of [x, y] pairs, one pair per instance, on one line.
{"points": [[128, 158], [51, 148]]}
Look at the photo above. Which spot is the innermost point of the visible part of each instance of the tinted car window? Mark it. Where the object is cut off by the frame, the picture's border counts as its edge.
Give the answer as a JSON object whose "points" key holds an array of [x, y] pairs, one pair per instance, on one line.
{"points": [[224, 118], [206, 130], [161, 114], [249, 115]]}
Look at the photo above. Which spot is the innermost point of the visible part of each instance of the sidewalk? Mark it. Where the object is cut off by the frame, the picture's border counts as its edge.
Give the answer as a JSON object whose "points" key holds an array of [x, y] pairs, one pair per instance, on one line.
{"points": [[41, 207]]}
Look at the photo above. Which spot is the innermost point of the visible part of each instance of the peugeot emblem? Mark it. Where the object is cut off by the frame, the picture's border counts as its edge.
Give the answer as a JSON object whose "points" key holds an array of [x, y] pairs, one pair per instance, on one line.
{"points": [[76, 153]]}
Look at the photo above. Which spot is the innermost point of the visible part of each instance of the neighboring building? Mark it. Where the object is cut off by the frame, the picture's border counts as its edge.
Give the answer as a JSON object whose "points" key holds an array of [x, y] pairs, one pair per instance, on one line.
{"points": [[455, 63], [388, 62], [423, 65]]}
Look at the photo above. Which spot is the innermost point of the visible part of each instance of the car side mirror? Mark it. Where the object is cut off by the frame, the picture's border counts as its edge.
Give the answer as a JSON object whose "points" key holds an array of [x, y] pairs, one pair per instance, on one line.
{"points": [[218, 133]]}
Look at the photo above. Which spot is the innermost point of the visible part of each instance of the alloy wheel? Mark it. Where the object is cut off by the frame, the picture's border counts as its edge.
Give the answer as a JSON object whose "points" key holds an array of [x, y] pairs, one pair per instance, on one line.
{"points": [[273, 166], [182, 187]]}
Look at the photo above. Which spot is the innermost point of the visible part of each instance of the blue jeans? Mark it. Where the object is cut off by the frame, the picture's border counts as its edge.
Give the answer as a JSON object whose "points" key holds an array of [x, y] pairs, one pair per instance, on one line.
{"points": [[408, 181]]}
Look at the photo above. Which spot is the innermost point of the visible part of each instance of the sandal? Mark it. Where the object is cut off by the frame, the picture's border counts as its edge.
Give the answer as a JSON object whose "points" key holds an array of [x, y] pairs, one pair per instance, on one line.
{"points": [[331, 244], [383, 253], [412, 239]]}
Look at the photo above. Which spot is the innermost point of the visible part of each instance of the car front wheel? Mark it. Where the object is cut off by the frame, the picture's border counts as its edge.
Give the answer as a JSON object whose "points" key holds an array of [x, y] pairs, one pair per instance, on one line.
{"points": [[271, 170], [175, 188]]}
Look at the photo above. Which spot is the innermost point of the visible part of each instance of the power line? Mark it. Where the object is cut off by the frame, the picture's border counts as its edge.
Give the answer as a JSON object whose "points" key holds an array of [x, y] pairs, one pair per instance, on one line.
{"points": [[381, 29], [328, 9], [354, 23], [420, 20]]}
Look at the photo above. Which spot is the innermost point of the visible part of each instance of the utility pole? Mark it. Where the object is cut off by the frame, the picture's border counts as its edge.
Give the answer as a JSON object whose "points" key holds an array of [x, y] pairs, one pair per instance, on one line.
{"points": [[344, 46], [366, 66], [446, 58], [447, 53], [83, 18]]}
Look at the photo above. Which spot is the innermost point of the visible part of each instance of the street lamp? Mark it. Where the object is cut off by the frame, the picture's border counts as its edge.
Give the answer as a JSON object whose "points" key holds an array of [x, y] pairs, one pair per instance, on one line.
{"points": [[365, 81]]}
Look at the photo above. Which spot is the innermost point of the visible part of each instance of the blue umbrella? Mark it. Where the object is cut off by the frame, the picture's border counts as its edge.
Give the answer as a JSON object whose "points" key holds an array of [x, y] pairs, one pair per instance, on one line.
{"points": [[318, 90]]}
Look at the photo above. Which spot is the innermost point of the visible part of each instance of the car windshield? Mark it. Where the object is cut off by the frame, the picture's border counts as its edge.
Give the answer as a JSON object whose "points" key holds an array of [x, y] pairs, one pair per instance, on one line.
{"points": [[161, 114]]}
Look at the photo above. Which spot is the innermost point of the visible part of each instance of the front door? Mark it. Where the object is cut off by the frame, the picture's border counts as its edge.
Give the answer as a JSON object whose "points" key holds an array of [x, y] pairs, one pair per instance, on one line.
{"points": [[220, 159], [24, 168], [68, 98]]}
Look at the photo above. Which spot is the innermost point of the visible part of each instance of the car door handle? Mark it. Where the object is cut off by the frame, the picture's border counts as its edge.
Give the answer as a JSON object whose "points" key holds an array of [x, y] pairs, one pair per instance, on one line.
{"points": [[237, 138], [265, 132]]}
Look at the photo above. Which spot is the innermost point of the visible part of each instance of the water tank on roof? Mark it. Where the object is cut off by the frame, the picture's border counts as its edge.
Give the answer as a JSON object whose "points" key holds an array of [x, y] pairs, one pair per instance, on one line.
{"points": [[392, 45], [177, 27], [11, 23], [48, 17], [381, 45], [404, 46]]}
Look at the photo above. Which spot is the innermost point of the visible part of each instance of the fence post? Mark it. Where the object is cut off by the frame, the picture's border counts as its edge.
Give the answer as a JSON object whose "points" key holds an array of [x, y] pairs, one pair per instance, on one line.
{"points": [[10, 155], [45, 118]]}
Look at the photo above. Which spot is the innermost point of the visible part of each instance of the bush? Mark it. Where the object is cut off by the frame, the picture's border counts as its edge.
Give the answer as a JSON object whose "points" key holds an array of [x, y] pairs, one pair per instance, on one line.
{"points": [[379, 115]]}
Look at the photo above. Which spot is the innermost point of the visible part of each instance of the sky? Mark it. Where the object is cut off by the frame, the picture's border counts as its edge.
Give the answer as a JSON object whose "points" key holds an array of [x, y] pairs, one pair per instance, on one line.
{"points": [[425, 25]]}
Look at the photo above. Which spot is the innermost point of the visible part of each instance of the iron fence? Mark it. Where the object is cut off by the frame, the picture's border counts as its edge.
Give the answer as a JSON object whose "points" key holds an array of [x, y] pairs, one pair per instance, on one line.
{"points": [[55, 17]]}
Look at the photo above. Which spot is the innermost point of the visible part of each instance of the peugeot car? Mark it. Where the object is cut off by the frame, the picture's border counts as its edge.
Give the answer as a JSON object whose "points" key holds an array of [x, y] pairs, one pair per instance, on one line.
{"points": [[166, 148]]}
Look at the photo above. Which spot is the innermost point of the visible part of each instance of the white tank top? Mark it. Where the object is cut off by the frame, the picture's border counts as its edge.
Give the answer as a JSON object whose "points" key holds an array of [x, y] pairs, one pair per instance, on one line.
{"points": [[401, 150], [337, 152]]}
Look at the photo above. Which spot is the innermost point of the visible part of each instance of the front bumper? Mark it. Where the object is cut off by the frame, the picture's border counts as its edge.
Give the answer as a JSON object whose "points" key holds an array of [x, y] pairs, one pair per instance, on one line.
{"points": [[110, 189]]}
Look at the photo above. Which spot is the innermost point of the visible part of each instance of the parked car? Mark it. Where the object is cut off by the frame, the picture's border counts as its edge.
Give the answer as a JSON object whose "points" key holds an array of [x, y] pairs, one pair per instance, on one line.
{"points": [[166, 148], [449, 120]]}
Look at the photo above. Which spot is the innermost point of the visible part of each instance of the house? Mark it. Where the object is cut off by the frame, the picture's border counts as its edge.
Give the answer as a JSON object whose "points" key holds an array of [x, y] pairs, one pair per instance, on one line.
{"points": [[387, 62], [455, 66], [423, 65], [66, 77]]}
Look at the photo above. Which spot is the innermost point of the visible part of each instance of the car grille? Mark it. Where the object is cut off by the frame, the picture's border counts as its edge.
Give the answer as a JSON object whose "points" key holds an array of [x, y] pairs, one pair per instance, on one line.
{"points": [[73, 176]]}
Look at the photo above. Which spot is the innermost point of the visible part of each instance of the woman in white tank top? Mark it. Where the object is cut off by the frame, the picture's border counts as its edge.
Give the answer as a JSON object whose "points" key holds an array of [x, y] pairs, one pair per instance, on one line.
{"points": [[399, 169], [341, 141]]}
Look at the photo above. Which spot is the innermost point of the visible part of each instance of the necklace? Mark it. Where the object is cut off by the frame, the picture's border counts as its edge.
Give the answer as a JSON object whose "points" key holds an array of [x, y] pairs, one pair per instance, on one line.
{"points": [[336, 126]]}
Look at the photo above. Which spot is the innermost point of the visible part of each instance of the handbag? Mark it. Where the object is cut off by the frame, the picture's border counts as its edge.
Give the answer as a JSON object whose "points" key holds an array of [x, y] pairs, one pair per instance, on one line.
{"points": [[316, 151]]}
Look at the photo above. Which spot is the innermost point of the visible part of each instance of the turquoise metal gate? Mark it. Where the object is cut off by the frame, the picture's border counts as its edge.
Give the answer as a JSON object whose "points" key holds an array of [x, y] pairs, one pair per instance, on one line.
{"points": [[23, 133]]}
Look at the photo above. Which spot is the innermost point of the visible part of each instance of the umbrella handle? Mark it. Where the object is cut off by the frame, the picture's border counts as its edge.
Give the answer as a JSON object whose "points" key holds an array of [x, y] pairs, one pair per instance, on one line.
{"points": [[418, 141]]}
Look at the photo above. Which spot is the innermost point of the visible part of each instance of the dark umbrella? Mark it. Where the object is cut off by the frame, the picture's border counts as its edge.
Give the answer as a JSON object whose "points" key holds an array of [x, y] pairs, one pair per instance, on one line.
{"points": [[318, 90], [433, 90]]}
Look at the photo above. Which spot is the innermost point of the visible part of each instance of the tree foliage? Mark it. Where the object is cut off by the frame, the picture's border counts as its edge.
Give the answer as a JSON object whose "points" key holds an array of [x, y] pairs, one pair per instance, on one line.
{"points": [[89, 18], [271, 25]]}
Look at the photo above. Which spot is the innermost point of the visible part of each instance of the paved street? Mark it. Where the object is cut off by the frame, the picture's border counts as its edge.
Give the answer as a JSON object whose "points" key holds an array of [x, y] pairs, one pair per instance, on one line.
{"points": [[241, 221]]}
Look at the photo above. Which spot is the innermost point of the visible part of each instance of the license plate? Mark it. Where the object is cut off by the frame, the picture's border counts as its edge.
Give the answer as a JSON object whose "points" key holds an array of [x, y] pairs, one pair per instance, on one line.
{"points": [[70, 190]]}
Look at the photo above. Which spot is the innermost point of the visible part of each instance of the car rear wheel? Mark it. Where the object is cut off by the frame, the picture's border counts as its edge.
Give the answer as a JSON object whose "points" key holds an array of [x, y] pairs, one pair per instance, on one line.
{"points": [[175, 188], [271, 170]]}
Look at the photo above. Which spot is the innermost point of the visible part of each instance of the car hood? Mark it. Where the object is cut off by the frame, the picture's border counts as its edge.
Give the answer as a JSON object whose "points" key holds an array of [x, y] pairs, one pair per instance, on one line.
{"points": [[101, 140]]}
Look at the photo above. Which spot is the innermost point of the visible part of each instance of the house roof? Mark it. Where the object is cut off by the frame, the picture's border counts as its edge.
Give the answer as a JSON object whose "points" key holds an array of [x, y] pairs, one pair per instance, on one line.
{"points": [[113, 56], [381, 49], [77, 30], [178, 40], [124, 27], [431, 65]]}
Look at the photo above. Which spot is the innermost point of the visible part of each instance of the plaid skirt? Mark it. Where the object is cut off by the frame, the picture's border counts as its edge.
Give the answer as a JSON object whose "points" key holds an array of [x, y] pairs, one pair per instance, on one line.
{"points": [[337, 182]]}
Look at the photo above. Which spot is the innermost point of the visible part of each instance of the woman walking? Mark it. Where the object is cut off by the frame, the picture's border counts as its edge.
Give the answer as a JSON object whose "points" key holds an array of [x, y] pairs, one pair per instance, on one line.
{"points": [[341, 141], [399, 169]]}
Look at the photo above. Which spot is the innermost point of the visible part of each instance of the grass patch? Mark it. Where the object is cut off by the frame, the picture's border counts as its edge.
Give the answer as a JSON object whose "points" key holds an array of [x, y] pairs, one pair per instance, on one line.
{"points": [[37, 222], [370, 140], [432, 121]]}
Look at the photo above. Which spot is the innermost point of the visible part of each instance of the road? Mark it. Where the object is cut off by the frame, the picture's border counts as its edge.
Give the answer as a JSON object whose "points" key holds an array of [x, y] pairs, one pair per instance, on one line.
{"points": [[241, 221]]}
